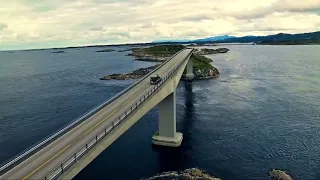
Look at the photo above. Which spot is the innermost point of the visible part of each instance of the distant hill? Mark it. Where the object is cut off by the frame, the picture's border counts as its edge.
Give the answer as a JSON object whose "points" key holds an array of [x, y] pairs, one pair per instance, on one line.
{"points": [[281, 38], [172, 40], [215, 38], [273, 39]]}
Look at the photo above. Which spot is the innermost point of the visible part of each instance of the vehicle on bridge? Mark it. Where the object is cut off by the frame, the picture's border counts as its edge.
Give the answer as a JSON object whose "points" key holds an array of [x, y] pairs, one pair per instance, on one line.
{"points": [[155, 79]]}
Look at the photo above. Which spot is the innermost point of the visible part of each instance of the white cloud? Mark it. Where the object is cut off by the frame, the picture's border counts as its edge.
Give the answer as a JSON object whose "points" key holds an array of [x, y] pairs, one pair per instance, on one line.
{"points": [[35, 23]]}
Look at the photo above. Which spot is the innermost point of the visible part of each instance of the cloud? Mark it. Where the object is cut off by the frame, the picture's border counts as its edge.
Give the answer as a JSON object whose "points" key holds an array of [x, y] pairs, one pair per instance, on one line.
{"points": [[3, 26], [37, 23], [279, 6]]}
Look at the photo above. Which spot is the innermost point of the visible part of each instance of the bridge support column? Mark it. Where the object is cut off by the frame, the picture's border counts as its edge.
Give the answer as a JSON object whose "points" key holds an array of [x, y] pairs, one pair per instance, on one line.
{"points": [[189, 70], [167, 135]]}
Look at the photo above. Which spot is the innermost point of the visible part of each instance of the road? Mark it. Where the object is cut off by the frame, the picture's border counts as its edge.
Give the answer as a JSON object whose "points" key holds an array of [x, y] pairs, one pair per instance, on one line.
{"points": [[51, 156]]}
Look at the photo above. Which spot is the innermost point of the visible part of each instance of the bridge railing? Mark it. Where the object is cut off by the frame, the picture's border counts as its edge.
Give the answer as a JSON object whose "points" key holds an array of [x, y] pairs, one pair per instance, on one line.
{"points": [[37, 146], [68, 162]]}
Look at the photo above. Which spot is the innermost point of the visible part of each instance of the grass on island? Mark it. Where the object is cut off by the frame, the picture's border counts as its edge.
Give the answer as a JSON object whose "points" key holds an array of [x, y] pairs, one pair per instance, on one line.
{"points": [[201, 63], [161, 50]]}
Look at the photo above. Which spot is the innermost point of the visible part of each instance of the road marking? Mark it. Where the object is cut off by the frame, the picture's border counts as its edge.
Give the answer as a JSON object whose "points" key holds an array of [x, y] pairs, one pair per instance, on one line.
{"points": [[112, 113], [47, 162]]}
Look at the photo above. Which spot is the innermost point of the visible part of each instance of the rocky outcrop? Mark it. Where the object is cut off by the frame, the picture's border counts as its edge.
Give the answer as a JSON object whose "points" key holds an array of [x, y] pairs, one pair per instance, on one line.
{"points": [[58, 52], [155, 53], [197, 174], [124, 50], [277, 174], [136, 74], [106, 50], [202, 68], [206, 51], [188, 174]]}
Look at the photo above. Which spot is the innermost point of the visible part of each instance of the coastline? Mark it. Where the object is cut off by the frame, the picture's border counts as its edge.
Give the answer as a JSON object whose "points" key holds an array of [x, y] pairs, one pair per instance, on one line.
{"points": [[202, 68]]}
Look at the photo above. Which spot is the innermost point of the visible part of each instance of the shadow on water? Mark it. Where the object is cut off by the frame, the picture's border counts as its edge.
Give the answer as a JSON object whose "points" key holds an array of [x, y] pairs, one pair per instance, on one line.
{"points": [[188, 118], [172, 159]]}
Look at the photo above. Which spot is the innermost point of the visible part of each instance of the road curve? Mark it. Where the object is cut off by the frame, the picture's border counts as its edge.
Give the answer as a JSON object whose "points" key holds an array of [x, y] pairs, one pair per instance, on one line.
{"points": [[49, 157]]}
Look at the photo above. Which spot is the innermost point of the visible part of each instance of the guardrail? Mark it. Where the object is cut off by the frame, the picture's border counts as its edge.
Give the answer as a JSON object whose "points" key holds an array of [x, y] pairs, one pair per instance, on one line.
{"points": [[83, 150], [34, 148]]}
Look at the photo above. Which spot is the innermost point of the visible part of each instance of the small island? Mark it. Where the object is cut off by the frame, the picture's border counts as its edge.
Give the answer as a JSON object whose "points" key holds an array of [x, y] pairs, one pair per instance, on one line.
{"points": [[136, 74], [197, 174], [58, 52], [188, 174], [206, 51], [106, 50], [202, 69], [124, 50], [155, 53], [278, 174]]}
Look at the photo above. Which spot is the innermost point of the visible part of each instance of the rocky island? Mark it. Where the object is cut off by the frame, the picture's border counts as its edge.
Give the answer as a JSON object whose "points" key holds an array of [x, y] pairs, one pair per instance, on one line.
{"points": [[277, 174], [202, 68], [188, 174], [124, 50], [58, 52], [198, 174], [155, 53], [106, 50], [206, 51], [136, 74]]}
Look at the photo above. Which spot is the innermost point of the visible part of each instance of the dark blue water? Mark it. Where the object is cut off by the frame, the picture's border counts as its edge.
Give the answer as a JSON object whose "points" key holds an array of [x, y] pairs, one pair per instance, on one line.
{"points": [[263, 112]]}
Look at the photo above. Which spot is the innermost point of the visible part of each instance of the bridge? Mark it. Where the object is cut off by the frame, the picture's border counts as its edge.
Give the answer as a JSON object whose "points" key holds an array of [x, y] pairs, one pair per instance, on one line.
{"points": [[65, 153]]}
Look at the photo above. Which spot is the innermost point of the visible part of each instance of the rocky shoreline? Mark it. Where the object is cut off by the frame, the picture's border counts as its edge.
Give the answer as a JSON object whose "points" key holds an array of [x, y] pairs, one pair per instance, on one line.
{"points": [[136, 74], [202, 69], [198, 174], [155, 53], [200, 72], [206, 51], [188, 174], [148, 57], [106, 50], [58, 52], [277, 174]]}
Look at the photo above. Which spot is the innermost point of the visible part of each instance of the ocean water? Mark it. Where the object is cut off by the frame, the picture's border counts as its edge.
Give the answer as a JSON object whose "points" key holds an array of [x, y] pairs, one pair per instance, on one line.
{"points": [[263, 111]]}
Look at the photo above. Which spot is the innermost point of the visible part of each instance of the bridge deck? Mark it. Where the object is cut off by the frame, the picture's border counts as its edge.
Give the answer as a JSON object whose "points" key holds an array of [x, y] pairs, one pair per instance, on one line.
{"points": [[49, 157]]}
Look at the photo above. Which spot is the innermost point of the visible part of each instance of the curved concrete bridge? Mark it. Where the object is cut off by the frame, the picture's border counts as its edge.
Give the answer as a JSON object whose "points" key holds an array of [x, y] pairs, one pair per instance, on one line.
{"points": [[67, 152]]}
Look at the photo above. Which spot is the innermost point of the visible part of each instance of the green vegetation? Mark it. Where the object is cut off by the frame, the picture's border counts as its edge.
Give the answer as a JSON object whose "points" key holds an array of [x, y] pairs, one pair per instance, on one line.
{"points": [[202, 68], [201, 62], [161, 50], [206, 51]]}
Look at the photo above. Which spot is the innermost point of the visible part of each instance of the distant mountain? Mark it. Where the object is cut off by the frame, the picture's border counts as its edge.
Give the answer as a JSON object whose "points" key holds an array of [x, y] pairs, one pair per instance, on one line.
{"points": [[273, 39], [172, 40], [215, 38], [281, 38]]}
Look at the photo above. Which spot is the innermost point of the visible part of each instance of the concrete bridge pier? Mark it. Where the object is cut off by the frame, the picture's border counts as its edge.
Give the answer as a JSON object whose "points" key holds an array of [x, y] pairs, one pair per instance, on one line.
{"points": [[189, 70], [167, 135]]}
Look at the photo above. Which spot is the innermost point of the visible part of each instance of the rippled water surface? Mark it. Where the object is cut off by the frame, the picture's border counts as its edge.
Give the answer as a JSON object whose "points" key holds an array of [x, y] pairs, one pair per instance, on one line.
{"points": [[262, 112]]}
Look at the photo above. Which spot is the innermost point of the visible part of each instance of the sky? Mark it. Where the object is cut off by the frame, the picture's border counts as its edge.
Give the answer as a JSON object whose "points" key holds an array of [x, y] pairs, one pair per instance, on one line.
{"points": [[29, 24]]}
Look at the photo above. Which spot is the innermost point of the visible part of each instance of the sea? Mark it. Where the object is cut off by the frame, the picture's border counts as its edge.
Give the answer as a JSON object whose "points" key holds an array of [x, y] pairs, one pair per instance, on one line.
{"points": [[263, 111]]}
